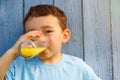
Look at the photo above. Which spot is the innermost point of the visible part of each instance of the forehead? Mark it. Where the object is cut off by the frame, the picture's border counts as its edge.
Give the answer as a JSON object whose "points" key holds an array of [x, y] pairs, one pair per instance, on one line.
{"points": [[41, 22]]}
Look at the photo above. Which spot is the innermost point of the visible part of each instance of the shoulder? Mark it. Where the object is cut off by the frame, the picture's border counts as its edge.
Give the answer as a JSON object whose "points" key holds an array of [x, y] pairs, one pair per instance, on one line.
{"points": [[19, 60], [76, 61], [77, 64], [73, 59], [22, 61]]}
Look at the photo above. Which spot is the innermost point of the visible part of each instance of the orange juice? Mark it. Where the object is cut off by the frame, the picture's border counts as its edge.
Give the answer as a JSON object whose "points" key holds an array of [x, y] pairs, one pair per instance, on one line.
{"points": [[31, 52]]}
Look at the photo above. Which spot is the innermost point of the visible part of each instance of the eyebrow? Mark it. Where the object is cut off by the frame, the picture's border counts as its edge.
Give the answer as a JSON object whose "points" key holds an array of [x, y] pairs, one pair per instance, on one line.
{"points": [[47, 26], [29, 30]]}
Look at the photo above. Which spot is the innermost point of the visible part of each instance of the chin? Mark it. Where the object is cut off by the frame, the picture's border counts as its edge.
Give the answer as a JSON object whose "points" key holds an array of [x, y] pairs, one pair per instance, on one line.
{"points": [[44, 56]]}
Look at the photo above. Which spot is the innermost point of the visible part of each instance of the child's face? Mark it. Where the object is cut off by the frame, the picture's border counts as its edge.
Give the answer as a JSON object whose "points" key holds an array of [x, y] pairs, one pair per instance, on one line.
{"points": [[50, 33]]}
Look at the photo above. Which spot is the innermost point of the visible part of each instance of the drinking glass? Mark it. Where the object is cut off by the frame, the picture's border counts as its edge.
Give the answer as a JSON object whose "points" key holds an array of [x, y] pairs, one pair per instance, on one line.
{"points": [[29, 49]]}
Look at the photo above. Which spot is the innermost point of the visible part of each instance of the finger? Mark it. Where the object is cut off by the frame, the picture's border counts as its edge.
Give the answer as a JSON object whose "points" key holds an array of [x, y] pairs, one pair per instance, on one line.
{"points": [[32, 34]]}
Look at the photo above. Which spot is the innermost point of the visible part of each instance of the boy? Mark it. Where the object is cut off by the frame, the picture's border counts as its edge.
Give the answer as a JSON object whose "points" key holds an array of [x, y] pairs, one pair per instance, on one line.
{"points": [[47, 24]]}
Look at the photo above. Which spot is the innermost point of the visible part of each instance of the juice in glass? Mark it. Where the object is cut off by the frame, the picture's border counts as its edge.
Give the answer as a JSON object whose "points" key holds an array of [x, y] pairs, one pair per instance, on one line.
{"points": [[31, 52]]}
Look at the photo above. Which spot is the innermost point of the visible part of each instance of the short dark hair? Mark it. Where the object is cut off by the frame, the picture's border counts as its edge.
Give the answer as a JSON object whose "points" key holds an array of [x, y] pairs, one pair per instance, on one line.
{"points": [[44, 10]]}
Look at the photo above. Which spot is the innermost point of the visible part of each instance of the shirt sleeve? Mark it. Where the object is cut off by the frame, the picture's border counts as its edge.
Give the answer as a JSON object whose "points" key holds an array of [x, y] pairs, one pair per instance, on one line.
{"points": [[10, 72], [89, 74]]}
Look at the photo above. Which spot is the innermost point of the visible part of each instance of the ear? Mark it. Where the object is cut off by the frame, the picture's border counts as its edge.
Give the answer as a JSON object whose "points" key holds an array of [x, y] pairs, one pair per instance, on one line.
{"points": [[66, 36]]}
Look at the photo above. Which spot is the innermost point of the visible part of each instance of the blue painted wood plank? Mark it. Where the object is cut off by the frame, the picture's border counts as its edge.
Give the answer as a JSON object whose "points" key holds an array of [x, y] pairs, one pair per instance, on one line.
{"points": [[97, 37], [74, 14], [29, 3], [10, 23], [115, 20]]}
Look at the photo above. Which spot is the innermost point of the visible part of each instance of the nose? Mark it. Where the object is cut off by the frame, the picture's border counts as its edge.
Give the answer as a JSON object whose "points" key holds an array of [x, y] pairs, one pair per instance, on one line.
{"points": [[40, 37]]}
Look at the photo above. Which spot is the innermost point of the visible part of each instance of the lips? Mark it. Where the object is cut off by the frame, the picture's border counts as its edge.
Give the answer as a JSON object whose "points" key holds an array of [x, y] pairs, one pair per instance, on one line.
{"points": [[44, 52]]}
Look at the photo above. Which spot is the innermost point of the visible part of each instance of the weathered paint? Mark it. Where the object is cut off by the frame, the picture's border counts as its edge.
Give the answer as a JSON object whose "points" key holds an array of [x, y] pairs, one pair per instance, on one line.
{"points": [[94, 28]]}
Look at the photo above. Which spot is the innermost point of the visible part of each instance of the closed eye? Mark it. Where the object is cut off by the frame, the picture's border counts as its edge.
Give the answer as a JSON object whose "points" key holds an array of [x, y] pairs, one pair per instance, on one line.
{"points": [[48, 31]]}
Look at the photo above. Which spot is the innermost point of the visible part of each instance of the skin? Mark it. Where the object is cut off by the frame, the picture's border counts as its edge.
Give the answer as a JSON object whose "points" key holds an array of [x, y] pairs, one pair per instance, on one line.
{"points": [[47, 30]]}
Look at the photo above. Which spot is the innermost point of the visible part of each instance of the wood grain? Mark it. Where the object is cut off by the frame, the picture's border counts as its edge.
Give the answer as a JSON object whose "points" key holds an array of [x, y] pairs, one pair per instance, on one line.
{"points": [[11, 28], [97, 37], [115, 26], [94, 25]]}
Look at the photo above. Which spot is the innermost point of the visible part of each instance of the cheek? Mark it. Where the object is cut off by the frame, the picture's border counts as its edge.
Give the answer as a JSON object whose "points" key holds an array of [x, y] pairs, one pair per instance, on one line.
{"points": [[55, 40]]}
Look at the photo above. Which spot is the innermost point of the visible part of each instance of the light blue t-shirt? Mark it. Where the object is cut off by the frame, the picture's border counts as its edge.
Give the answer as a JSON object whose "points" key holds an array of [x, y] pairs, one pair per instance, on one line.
{"points": [[68, 68]]}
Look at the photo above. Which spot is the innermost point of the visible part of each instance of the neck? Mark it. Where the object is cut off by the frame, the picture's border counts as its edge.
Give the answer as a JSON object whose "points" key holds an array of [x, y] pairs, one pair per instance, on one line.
{"points": [[53, 59]]}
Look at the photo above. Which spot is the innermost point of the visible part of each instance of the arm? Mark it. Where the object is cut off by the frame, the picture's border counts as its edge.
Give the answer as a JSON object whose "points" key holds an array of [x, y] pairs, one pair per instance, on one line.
{"points": [[5, 61], [7, 58], [13, 52]]}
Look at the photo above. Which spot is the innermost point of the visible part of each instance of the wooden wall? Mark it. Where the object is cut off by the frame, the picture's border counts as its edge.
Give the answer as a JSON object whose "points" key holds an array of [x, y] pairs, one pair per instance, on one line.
{"points": [[94, 24]]}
